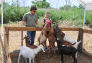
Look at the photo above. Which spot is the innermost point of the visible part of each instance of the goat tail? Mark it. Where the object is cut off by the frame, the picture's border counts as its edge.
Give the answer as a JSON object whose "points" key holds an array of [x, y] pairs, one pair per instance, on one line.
{"points": [[19, 57], [79, 42]]}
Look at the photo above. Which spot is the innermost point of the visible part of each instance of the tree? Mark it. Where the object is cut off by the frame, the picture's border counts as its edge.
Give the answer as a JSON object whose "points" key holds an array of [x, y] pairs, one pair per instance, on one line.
{"points": [[41, 4], [66, 7], [74, 6], [44, 0], [80, 6]]}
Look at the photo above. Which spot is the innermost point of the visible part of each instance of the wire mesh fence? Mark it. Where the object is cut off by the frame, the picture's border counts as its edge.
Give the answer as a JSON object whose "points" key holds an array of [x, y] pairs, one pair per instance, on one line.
{"points": [[87, 43]]}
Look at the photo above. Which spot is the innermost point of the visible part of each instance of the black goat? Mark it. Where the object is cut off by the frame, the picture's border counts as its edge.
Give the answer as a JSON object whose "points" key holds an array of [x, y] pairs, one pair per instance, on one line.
{"points": [[63, 49]]}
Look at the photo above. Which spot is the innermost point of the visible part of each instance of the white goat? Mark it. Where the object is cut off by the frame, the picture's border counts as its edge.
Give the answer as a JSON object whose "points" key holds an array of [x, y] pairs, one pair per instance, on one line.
{"points": [[69, 39], [30, 53]]}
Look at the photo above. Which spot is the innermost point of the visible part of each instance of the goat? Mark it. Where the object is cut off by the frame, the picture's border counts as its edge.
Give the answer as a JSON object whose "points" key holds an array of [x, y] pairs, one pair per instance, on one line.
{"points": [[63, 49], [67, 39], [48, 34], [30, 53], [43, 36], [33, 47], [51, 39]]}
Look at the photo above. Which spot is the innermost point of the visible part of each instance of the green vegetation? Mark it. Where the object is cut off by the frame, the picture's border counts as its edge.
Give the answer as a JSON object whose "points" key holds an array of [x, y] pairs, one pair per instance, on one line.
{"points": [[41, 4], [13, 13]]}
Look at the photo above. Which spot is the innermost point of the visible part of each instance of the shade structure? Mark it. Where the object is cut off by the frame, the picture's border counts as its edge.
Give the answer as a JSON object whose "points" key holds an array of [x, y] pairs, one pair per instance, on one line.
{"points": [[87, 4]]}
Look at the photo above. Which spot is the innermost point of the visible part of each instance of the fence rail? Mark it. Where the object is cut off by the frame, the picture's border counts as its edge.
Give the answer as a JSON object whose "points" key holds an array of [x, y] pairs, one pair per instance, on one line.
{"points": [[39, 29]]}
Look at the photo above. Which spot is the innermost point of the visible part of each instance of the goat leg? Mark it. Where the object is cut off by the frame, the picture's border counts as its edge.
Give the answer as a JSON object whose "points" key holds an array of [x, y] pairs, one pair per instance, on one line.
{"points": [[49, 50], [75, 59], [19, 57], [54, 49], [38, 58], [62, 59], [26, 60], [29, 60], [32, 60]]}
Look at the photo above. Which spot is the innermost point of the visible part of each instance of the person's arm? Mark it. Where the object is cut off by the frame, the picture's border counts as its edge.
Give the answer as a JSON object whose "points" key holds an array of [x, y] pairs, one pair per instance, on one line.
{"points": [[24, 20], [37, 25], [24, 23]]}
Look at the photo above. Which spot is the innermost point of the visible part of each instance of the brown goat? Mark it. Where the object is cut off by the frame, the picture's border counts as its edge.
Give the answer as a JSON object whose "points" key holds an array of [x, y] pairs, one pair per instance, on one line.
{"points": [[48, 34], [43, 36], [51, 39]]}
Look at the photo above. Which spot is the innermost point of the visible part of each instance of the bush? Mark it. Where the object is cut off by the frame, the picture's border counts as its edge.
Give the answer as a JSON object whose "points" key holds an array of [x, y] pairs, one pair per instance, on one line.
{"points": [[89, 17], [12, 13], [41, 13], [55, 16], [41, 4]]}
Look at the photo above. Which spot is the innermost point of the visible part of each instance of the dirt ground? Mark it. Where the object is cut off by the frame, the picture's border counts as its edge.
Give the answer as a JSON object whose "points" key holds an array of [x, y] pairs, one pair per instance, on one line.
{"points": [[55, 58]]}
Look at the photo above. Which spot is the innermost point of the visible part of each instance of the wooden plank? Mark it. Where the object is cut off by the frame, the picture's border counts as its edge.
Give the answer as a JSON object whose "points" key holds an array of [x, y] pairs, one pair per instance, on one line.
{"points": [[37, 29], [87, 31], [80, 38], [4, 52], [24, 28], [70, 29], [6, 43], [21, 38]]}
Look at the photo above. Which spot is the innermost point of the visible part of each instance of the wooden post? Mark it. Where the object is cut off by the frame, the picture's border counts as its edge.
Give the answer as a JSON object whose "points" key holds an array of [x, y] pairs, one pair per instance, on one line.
{"points": [[80, 38], [6, 43], [21, 38], [3, 49]]}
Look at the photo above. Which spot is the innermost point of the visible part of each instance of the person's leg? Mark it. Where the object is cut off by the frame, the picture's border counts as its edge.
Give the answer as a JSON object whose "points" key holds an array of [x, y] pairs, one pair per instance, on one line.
{"points": [[32, 37]]}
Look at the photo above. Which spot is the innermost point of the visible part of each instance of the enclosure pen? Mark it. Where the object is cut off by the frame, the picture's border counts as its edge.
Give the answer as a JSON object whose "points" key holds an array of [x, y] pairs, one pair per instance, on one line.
{"points": [[8, 29]]}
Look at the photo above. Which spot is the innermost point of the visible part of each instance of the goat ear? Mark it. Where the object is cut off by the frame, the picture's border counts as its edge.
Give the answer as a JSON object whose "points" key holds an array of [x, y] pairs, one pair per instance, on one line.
{"points": [[25, 35], [24, 38]]}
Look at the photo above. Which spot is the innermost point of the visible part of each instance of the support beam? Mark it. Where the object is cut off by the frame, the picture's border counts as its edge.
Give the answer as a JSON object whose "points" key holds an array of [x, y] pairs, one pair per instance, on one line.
{"points": [[80, 38], [6, 43], [84, 18], [38, 29]]}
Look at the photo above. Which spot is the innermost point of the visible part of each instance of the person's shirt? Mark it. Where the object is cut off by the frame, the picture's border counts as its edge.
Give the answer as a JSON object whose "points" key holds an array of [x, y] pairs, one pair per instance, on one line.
{"points": [[30, 19], [48, 20]]}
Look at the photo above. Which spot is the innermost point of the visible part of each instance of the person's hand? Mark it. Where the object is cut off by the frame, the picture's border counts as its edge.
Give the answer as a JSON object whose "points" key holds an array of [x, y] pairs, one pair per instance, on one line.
{"points": [[37, 26], [25, 24]]}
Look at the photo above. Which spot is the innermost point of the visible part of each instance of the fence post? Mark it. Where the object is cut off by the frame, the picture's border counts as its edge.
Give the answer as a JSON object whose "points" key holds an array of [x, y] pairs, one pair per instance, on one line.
{"points": [[21, 38], [80, 38], [3, 49], [6, 43]]}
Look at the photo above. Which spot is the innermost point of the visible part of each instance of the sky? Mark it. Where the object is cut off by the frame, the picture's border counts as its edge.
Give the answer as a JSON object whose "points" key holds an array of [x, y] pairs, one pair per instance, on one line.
{"points": [[53, 3]]}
